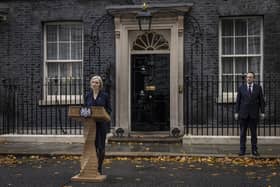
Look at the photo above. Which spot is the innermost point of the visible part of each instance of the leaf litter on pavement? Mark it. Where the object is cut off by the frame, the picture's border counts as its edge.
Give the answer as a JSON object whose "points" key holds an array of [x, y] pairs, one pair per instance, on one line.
{"points": [[210, 161], [193, 163]]}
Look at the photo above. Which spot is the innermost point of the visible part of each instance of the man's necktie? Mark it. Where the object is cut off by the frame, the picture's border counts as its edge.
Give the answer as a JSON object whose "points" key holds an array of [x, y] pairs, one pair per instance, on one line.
{"points": [[250, 91]]}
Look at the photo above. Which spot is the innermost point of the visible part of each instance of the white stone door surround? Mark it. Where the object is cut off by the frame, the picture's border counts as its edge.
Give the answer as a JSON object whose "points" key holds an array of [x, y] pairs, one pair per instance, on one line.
{"points": [[167, 19]]}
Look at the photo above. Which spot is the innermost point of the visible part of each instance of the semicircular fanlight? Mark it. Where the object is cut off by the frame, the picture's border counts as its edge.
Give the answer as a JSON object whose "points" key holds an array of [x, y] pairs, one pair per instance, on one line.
{"points": [[150, 41]]}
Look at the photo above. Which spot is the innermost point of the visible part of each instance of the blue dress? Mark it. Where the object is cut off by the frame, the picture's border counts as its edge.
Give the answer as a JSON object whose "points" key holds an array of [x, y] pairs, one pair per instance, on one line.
{"points": [[102, 128]]}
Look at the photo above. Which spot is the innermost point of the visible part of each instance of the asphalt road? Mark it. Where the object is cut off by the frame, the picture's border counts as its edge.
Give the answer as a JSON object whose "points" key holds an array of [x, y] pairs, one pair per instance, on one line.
{"points": [[56, 172]]}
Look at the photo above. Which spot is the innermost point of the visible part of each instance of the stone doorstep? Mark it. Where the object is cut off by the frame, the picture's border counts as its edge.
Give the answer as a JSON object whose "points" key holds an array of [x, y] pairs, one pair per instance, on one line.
{"points": [[262, 140], [145, 139]]}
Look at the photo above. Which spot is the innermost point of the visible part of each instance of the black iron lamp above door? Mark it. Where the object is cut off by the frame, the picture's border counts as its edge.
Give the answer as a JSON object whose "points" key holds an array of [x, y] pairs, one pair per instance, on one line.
{"points": [[144, 18]]}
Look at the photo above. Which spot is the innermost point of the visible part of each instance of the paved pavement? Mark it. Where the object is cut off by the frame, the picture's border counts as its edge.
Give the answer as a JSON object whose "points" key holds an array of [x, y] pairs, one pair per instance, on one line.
{"points": [[56, 172], [51, 170], [136, 149]]}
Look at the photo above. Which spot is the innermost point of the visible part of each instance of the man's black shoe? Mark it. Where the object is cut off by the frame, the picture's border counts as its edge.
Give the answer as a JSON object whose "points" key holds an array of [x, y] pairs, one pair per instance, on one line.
{"points": [[255, 153], [241, 153]]}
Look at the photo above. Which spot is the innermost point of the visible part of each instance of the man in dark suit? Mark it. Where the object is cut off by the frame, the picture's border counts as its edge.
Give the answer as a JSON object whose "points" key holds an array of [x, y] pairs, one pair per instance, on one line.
{"points": [[248, 103]]}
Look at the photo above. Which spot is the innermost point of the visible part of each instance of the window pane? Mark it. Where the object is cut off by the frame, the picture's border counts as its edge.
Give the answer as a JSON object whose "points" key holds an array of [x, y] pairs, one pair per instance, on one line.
{"points": [[254, 45], [240, 27], [254, 64], [53, 86], [257, 79], [240, 36], [64, 51], [240, 65], [52, 51], [227, 27], [52, 70], [227, 65], [227, 83], [241, 46], [239, 80], [52, 78], [65, 69], [254, 26], [76, 87], [76, 70], [227, 46], [64, 32], [76, 33], [65, 86], [71, 86], [76, 51], [64, 42], [51, 33]]}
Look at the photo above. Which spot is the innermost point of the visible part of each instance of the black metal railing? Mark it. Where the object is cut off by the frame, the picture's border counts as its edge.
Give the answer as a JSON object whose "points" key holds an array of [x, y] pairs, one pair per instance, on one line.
{"points": [[210, 105], [26, 107]]}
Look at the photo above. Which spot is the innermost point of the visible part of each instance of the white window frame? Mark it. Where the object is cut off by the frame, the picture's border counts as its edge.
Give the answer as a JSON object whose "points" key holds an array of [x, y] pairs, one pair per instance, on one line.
{"points": [[60, 99], [230, 97]]}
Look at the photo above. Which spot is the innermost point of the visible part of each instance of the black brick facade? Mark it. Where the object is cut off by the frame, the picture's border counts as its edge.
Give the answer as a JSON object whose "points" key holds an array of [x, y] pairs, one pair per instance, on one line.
{"points": [[21, 37]]}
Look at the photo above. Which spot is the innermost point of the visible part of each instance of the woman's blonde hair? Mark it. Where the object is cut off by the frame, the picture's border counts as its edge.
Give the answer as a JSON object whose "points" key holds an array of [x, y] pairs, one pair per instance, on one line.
{"points": [[99, 79]]}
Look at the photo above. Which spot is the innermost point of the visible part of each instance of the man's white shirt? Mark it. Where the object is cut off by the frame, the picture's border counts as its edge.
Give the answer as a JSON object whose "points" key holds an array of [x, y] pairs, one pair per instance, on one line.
{"points": [[248, 86]]}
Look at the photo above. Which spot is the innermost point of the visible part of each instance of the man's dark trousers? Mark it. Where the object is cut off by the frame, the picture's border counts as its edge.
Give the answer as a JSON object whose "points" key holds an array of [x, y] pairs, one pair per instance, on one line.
{"points": [[244, 125]]}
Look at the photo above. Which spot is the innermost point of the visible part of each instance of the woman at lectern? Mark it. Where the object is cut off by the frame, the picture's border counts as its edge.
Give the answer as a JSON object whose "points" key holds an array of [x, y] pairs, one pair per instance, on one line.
{"points": [[97, 97]]}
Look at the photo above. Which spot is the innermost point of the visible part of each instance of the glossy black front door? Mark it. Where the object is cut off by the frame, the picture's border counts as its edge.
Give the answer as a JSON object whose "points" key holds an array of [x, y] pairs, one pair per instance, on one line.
{"points": [[150, 92]]}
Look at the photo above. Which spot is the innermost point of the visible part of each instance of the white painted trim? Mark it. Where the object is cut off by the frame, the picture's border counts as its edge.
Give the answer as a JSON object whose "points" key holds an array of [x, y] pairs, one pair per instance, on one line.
{"points": [[123, 68], [45, 74], [249, 55], [149, 52], [180, 35], [221, 93], [261, 65], [220, 58], [55, 61], [44, 62], [118, 37], [227, 97], [62, 22], [62, 101], [174, 82]]}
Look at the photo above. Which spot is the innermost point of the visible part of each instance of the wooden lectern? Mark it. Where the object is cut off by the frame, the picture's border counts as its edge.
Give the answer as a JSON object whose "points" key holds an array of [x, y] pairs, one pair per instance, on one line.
{"points": [[89, 162]]}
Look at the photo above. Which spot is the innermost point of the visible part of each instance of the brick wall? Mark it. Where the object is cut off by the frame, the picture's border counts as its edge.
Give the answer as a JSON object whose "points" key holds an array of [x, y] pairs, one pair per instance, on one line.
{"points": [[22, 48], [21, 39]]}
